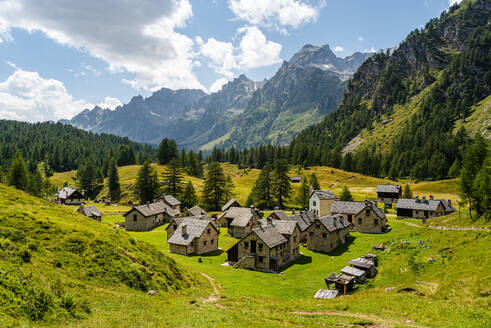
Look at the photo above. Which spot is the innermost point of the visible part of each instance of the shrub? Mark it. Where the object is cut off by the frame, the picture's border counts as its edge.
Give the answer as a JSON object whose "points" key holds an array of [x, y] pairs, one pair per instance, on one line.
{"points": [[25, 255]]}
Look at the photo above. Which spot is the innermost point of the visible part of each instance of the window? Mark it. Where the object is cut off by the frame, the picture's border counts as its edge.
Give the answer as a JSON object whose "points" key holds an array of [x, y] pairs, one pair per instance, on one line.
{"points": [[204, 243], [294, 238], [317, 225], [375, 221], [175, 226], [324, 235], [260, 246], [134, 217], [208, 231], [212, 241], [314, 203], [359, 220], [246, 245], [311, 234], [367, 212], [260, 259]]}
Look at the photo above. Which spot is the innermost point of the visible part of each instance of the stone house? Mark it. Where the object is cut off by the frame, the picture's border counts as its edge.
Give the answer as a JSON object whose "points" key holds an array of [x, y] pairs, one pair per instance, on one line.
{"points": [[268, 247], [278, 215], [194, 211], [231, 203], [70, 196], [304, 219], [148, 216], [239, 220], [327, 233], [388, 193], [90, 211], [365, 216], [175, 222], [171, 201], [320, 202], [423, 208], [193, 236]]}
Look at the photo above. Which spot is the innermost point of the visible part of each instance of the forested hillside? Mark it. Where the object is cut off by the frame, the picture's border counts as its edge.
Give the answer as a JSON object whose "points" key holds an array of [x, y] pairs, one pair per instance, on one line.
{"points": [[63, 147], [446, 67]]}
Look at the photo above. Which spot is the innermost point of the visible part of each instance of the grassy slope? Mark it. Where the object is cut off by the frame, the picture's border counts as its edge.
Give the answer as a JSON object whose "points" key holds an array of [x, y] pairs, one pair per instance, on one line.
{"points": [[479, 120], [333, 179]]}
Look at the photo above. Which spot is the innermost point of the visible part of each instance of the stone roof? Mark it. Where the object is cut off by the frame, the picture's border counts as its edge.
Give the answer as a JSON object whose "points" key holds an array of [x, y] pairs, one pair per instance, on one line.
{"points": [[66, 192], [333, 223], [194, 229], [153, 209], [285, 227], [270, 235], [362, 263], [390, 188], [229, 204], [240, 215], [418, 204], [304, 219], [171, 200], [280, 214], [354, 208], [447, 206], [324, 194], [90, 211], [352, 271], [196, 210]]}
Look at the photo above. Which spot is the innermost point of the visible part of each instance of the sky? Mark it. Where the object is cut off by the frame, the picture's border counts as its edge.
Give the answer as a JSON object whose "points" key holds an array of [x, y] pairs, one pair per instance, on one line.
{"points": [[59, 57]]}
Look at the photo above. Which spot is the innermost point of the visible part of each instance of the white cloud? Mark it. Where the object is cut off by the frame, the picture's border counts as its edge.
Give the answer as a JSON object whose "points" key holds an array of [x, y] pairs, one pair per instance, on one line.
{"points": [[278, 13], [26, 96], [218, 84], [453, 2], [221, 55], [256, 50], [8, 62], [361, 39], [338, 49], [137, 38], [110, 103], [371, 50]]}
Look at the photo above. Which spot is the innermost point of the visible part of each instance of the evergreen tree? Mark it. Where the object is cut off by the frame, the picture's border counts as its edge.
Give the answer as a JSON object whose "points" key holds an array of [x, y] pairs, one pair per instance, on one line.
{"points": [[261, 194], [173, 180], [229, 188], [18, 176], [147, 184], [167, 151], [314, 182], [281, 182], [454, 170], [482, 191], [303, 194], [36, 183], [113, 181], [346, 195], [89, 179], [407, 193], [189, 198], [214, 187]]}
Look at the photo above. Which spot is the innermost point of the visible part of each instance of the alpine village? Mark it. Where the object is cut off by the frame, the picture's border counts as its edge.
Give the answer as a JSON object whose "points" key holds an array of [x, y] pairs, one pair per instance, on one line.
{"points": [[340, 192]]}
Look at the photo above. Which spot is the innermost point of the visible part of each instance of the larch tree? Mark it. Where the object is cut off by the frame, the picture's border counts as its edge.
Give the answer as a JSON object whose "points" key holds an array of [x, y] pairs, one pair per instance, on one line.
{"points": [[407, 193], [282, 187], [261, 194], [173, 180], [346, 194], [303, 194], [18, 176], [214, 187], [113, 181], [189, 197], [147, 184], [314, 182]]}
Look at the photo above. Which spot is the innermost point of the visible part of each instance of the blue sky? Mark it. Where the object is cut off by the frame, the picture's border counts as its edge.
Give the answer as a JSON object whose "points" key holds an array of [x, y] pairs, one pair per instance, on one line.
{"points": [[59, 57]]}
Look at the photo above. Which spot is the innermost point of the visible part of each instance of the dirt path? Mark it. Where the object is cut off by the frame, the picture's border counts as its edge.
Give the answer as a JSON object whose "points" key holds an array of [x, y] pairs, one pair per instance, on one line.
{"points": [[446, 228], [215, 297], [377, 320]]}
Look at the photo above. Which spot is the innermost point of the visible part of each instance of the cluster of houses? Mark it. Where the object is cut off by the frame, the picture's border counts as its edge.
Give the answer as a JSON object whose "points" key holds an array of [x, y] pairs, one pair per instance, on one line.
{"points": [[267, 244]]}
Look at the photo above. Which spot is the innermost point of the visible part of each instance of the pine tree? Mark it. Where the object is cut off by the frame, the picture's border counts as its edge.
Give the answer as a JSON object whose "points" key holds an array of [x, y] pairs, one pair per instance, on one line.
{"points": [[189, 197], [89, 179], [36, 183], [214, 187], [113, 181], [454, 170], [314, 182], [173, 180], [346, 195], [407, 193], [18, 176], [147, 185], [303, 194], [281, 182], [167, 151], [229, 188], [262, 191]]}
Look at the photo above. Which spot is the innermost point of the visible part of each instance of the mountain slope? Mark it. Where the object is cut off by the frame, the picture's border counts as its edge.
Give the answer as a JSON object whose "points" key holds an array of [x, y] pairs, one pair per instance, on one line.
{"points": [[420, 89], [54, 262], [302, 91]]}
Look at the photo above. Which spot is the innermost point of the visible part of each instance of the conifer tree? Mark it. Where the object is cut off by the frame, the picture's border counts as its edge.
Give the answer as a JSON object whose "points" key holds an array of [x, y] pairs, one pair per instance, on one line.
{"points": [[229, 188], [173, 180], [167, 151], [147, 184], [113, 181], [36, 183], [189, 197], [314, 182], [282, 187], [303, 194], [89, 179], [214, 187], [18, 176], [346, 194], [262, 191], [407, 193]]}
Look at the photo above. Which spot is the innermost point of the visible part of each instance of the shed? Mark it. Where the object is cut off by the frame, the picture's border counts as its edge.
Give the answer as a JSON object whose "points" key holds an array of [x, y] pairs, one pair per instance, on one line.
{"points": [[360, 275], [341, 281]]}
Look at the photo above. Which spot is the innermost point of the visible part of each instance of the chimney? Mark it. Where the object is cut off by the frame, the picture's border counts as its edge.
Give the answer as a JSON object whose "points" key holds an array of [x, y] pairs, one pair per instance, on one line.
{"points": [[424, 199], [311, 190], [184, 229], [132, 205], [252, 208], [416, 198], [148, 202], [293, 211], [431, 197], [276, 208]]}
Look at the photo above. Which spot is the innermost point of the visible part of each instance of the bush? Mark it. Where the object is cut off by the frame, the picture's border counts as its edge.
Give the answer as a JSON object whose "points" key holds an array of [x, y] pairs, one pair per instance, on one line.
{"points": [[25, 255]]}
